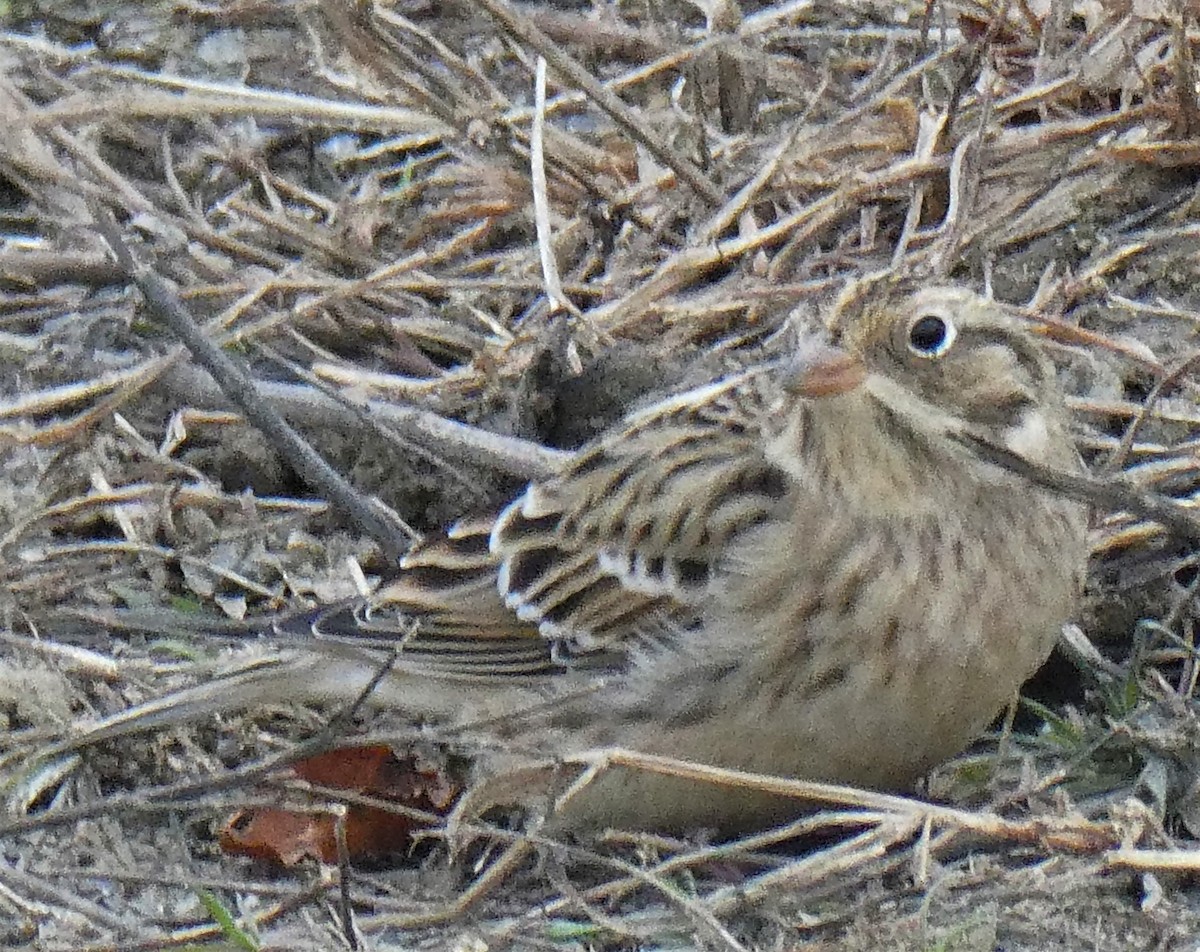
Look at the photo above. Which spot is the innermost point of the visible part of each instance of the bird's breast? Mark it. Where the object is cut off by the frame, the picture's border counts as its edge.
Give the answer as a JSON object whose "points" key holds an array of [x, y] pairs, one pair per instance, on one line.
{"points": [[853, 649]]}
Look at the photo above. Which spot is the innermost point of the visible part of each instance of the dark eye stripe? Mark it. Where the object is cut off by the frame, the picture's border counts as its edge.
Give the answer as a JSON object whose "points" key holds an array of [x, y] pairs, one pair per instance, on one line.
{"points": [[1007, 411]]}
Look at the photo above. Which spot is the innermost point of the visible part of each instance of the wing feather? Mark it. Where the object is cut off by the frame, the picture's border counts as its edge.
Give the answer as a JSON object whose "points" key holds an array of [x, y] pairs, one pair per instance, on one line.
{"points": [[631, 529]]}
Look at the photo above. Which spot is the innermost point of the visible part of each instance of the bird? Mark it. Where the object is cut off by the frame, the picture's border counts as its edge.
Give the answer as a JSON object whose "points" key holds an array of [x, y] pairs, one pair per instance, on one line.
{"points": [[799, 569]]}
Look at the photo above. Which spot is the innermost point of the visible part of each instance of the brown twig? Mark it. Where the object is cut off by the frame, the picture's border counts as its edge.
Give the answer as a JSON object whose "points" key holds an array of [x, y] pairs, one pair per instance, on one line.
{"points": [[241, 390], [1106, 495]]}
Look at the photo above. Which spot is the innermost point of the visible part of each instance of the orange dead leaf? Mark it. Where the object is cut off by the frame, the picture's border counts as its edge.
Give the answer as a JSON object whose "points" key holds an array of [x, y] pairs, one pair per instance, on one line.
{"points": [[288, 837]]}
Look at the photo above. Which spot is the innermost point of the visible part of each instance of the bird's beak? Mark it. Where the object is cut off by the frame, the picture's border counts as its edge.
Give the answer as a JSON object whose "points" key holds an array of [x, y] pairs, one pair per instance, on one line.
{"points": [[823, 370]]}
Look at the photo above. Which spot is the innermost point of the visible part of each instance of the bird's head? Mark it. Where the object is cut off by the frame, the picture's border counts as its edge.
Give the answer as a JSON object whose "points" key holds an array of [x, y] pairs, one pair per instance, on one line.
{"points": [[941, 360]]}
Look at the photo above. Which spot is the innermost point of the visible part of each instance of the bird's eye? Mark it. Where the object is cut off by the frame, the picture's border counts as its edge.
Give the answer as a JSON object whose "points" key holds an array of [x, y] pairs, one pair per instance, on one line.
{"points": [[930, 335]]}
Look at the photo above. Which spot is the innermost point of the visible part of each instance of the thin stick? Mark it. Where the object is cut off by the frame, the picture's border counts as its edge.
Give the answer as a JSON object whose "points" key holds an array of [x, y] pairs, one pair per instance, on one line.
{"points": [[239, 388], [1106, 494]]}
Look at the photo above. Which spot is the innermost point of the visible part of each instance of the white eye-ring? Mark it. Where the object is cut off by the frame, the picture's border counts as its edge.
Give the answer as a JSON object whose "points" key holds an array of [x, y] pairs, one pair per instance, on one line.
{"points": [[931, 335]]}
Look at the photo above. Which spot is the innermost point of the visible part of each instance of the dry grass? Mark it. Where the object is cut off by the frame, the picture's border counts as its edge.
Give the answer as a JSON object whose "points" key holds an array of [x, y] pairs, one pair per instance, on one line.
{"points": [[442, 287]]}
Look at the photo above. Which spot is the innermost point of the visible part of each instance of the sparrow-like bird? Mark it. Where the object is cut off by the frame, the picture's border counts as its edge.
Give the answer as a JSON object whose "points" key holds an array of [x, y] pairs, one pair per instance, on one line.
{"points": [[801, 570]]}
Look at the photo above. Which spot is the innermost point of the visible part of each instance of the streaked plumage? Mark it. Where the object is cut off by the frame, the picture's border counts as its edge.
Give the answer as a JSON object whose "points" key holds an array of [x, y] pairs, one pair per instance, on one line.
{"points": [[799, 570]]}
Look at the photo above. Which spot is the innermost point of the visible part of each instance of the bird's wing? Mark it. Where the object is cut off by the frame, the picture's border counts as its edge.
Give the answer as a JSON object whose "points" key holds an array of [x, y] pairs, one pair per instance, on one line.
{"points": [[636, 523], [442, 614], [621, 543]]}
